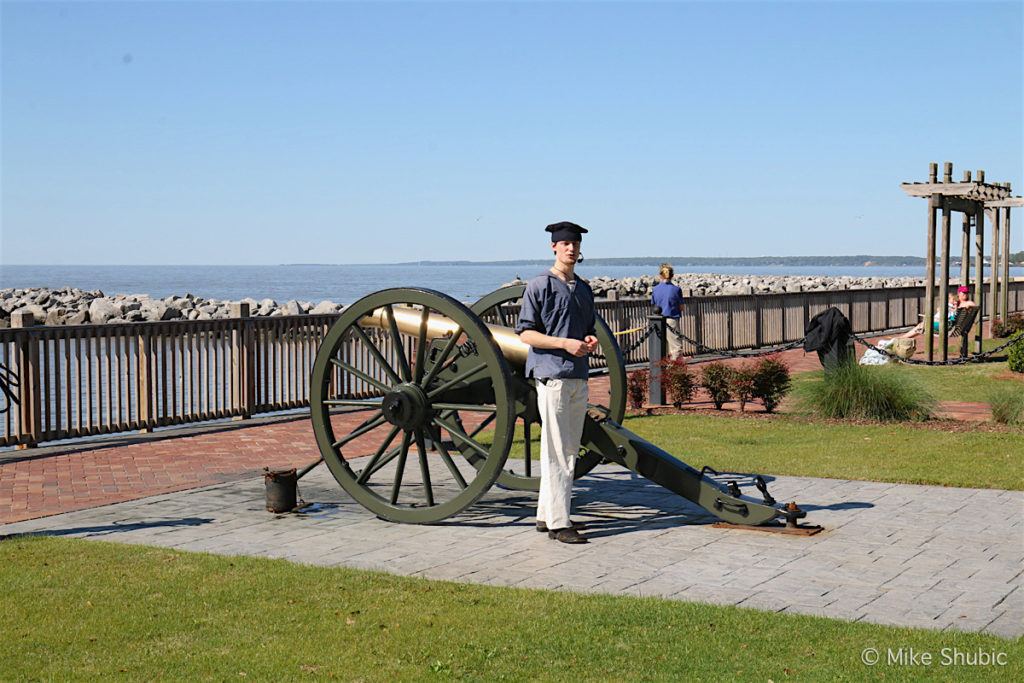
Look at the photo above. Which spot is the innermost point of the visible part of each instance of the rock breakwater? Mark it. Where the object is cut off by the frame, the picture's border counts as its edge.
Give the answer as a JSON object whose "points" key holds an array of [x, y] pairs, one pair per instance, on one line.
{"points": [[73, 306], [712, 284]]}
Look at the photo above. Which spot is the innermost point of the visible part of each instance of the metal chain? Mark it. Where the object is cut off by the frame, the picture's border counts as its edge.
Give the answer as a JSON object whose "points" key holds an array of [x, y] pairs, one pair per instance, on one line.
{"points": [[701, 348], [1013, 341], [977, 358], [635, 345]]}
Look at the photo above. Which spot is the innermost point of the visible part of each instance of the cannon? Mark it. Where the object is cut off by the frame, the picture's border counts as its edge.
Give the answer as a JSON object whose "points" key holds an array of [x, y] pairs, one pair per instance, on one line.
{"points": [[442, 388]]}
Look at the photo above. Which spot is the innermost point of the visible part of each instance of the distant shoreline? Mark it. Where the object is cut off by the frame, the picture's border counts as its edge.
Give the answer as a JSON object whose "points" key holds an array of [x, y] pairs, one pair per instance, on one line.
{"points": [[678, 262], [681, 262]]}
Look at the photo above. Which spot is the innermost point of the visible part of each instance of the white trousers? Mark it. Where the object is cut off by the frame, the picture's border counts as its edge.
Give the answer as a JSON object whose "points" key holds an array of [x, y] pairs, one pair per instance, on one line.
{"points": [[562, 404], [673, 342]]}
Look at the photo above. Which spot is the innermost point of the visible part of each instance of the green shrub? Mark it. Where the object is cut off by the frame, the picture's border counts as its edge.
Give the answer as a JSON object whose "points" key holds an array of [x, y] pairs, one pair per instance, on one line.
{"points": [[637, 384], [885, 392], [1015, 355], [678, 382], [714, 377], [1007, 402], [771, 382], [741, 384], [1013, 324]]}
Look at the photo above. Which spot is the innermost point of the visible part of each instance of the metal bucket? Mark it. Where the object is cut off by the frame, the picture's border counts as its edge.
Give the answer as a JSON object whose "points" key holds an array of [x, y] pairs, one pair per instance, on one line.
{"points": [[281, 489]]}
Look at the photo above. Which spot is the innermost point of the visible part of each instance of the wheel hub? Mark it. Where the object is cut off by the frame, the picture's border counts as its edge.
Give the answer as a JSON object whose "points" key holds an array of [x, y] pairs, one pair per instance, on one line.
{"points": [[406, 406]]}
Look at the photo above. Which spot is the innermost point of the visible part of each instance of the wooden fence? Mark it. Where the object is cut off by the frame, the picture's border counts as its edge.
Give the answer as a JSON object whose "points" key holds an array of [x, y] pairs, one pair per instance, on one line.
{"points": [[79, 381]]}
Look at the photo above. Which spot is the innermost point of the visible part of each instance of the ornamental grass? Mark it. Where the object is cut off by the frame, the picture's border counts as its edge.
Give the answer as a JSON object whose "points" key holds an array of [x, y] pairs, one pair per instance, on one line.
{"points": [[1007, 403], [883, 393]]}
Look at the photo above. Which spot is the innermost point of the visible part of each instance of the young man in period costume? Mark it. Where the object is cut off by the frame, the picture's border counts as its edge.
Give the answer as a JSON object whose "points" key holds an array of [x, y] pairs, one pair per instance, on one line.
{"points": [[557, 322]]}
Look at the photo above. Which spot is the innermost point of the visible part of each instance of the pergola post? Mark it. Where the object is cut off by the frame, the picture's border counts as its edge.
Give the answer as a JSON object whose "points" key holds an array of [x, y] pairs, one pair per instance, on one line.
{"points": [[994, 277], [979, 270], [965, 252], [1005, 303], [929, 280], [943, 285]]}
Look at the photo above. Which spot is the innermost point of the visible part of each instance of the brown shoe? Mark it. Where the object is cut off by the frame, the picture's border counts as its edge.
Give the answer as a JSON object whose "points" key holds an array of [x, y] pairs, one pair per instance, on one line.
{"points": [[542, 527], [566, 536]]}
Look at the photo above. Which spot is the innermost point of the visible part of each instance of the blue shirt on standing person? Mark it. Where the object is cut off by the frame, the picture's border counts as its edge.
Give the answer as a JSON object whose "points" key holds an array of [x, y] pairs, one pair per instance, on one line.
{"points": [[557, 309], [668, 297]]}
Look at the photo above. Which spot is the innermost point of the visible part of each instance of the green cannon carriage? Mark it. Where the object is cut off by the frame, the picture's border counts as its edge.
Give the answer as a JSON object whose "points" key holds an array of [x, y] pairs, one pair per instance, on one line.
{"points": [[443, 384]]}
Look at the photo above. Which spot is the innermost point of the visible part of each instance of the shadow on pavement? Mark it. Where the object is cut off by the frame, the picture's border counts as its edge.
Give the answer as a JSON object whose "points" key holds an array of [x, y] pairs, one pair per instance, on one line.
{"points": [[116, 527]]}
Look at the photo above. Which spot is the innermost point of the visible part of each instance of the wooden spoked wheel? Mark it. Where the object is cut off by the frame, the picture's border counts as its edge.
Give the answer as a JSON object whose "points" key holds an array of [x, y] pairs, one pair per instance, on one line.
{"points": [[409, 372], [523, 473]]}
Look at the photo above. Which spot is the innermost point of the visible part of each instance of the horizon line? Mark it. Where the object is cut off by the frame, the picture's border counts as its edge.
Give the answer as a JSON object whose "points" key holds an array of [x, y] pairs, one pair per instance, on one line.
{"points": [[623, 260]]}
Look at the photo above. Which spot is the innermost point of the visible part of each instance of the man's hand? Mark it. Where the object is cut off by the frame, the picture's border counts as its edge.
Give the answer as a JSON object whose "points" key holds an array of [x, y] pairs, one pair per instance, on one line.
{"points": [[581, 348], [576, 347]]}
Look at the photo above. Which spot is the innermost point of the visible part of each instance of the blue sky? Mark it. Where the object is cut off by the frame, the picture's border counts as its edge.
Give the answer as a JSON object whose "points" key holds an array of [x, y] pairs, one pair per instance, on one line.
{"points": [[333, 132]]}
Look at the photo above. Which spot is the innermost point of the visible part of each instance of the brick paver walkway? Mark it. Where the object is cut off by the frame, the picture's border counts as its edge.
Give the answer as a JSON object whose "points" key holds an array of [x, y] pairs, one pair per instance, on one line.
{"points": [[939, 558], [77, 480]]}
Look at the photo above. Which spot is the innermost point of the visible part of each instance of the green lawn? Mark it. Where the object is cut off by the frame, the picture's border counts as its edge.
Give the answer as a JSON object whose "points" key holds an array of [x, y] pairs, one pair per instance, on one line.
{"points": [[969, 382], [791, 444], [89, 610]]}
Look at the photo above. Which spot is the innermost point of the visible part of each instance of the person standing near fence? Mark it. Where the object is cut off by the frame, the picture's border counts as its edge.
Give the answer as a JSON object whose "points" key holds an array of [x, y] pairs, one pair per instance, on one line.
{"points": [[669, 298], [557, 322]]}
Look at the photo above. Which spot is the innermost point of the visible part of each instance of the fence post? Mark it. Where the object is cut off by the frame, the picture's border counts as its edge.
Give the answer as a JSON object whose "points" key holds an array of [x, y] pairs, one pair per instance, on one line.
{"points": [[807, 309], [783, 301], [698, 325], [656, 351], [29, 404], [885, 298], [758, 324], [615, 310], [688, 314], [243, 355], [144, 393]]}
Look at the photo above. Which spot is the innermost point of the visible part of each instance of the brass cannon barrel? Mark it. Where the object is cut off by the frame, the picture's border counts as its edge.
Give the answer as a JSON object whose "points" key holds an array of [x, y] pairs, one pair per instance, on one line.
{"points": [[408, 322]]}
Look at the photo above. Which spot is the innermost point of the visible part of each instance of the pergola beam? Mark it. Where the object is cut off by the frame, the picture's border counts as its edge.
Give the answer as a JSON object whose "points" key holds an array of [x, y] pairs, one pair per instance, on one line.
{"points": [[1008, 203], [971, 190]]}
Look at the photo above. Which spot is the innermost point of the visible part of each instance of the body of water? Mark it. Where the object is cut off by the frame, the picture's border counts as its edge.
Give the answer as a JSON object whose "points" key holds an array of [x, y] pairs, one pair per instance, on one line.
{"points": [[346, 283]]}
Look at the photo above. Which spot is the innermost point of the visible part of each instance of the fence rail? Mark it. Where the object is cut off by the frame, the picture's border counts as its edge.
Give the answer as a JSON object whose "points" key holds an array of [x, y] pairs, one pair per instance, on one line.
{"points": [[79, 381]]}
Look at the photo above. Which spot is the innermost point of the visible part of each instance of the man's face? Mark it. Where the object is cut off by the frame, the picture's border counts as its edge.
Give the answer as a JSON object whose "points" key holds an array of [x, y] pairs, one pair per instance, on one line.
{"points": [[566, 253]]}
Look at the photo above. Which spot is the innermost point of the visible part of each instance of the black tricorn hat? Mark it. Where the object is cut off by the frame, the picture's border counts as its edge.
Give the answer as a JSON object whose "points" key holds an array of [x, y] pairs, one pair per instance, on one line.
{"points": [[566, 232]]}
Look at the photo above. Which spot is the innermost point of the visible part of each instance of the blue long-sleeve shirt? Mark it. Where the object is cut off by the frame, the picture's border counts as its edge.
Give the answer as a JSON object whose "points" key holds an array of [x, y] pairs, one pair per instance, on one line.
{"points": [[551, 307]]}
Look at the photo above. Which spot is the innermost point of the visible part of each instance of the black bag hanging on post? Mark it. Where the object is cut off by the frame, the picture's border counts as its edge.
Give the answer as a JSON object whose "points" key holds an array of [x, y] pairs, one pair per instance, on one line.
{"points": [[828, 333]]}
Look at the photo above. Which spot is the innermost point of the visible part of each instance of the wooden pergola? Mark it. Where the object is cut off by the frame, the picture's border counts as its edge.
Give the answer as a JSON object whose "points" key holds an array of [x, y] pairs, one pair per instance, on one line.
{"points": [[974, 199]]}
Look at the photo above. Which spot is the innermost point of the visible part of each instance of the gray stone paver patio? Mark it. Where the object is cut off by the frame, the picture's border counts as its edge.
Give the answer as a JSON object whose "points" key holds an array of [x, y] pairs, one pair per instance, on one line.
{"points": [[922, 556]]}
